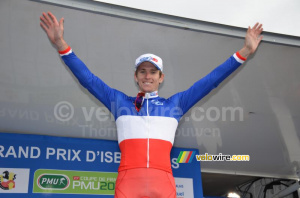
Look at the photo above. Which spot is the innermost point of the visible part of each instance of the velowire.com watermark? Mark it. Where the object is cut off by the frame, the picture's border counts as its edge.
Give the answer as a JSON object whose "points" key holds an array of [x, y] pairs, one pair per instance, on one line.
{"points": [[221, 157], [64, 111]]}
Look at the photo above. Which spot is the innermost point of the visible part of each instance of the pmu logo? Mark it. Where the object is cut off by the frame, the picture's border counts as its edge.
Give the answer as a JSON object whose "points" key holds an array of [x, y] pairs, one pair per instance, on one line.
{"points": [[7, 180], [53, 182]]}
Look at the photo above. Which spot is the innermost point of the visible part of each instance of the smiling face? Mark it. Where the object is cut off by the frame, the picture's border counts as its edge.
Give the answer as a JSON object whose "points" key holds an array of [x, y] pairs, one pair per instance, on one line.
{"points": [[148, 77]]}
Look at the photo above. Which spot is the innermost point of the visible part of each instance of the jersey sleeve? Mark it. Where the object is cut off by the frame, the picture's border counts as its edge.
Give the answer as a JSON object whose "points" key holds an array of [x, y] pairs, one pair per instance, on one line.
{"points": [[186, 99], [92, 83]]}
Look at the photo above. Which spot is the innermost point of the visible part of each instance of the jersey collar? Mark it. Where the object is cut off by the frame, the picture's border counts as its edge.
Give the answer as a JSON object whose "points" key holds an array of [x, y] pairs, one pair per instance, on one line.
{"points": [[153, 94]]}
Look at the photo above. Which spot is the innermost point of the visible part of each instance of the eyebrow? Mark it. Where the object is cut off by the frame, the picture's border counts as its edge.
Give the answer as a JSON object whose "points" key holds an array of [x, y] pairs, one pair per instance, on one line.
{"points": [[150, 70]]}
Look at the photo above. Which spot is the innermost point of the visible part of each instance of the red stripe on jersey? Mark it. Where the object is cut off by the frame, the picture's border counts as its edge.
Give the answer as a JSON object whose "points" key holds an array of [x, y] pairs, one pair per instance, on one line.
{"points": [[134, 154]]}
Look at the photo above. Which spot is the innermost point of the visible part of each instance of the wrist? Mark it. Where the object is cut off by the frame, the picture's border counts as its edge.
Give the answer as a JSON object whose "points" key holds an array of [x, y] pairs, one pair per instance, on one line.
{"points": [[66, 51], [61, 45], [245, 52]]}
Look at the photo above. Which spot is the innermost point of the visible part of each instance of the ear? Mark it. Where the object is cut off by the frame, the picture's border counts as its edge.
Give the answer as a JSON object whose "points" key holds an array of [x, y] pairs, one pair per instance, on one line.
{"points": [[161, 79], [135, 77]]}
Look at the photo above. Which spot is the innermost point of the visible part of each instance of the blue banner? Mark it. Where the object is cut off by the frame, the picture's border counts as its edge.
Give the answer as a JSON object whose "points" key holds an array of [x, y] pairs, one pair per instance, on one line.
{"points": [[38, 166]]}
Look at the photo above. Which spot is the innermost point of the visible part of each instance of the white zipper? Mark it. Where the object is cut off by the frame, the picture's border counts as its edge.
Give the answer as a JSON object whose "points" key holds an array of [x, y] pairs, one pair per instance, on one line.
{"points": [[148, 135]]}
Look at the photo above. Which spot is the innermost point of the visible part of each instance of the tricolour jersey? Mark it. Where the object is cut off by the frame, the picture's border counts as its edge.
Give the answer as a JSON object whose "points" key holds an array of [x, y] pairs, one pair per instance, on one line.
{"points": [[146, 137]]}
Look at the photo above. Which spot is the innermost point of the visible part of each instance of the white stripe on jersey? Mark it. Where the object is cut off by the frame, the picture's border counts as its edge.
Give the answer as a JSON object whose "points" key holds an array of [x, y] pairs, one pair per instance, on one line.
{"points": [[134, 127]]}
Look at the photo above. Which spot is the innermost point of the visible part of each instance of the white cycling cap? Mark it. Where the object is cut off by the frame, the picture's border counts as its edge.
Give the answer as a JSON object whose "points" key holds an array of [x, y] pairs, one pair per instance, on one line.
{"points": [[155, 60]]}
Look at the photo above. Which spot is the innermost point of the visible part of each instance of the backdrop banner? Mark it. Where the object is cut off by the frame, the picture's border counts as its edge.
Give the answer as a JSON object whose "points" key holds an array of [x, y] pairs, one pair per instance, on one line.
{"points": [[38, 166]]}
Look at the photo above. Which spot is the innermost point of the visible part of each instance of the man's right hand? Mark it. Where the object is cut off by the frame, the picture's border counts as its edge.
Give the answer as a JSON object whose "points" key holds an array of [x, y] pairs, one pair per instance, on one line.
{"points": [[54, 30]]}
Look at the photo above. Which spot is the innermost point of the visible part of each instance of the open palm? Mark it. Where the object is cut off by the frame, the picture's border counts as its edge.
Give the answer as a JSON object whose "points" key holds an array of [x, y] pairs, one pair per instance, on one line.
{"points": [[53, 29], [253, 37]]}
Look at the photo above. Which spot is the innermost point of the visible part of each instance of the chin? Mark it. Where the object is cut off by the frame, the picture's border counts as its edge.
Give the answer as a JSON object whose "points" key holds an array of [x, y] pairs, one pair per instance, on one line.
{"points": [[147, 90]]}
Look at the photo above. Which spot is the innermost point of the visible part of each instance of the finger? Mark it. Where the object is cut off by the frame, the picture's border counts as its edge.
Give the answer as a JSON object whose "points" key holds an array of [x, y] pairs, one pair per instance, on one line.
{"points": [[61, 23], [249, 29], [49, 21], [53, 17], [260, 31], [259, 27], [44, 26], [259, 39], [44, 22], [255, 26]]}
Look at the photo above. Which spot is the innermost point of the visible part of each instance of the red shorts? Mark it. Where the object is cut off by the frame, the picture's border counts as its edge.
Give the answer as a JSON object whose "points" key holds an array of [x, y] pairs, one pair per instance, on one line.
{"points": [[145, 183]]}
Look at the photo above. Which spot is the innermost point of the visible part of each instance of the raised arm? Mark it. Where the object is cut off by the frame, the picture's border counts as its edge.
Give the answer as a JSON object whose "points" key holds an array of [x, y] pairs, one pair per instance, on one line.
{"points": [[202, 87], [54, 30], [87, 79]]}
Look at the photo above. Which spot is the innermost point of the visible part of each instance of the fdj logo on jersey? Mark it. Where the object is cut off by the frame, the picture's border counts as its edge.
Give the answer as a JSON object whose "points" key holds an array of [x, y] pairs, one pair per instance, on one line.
{"points": [[7, 180], [53, 182]]}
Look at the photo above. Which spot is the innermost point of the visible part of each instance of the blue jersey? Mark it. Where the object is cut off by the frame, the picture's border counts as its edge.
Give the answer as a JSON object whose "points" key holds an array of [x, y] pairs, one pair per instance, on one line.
{"points": [[146, 137]]}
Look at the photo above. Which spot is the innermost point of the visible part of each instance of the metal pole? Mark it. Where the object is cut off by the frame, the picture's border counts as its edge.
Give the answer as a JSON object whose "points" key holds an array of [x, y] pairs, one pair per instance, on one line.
{"points": [[289, 190]]}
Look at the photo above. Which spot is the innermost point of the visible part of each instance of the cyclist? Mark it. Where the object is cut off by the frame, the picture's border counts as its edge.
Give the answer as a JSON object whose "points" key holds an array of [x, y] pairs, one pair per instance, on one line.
{"points": [[146, 124]]}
